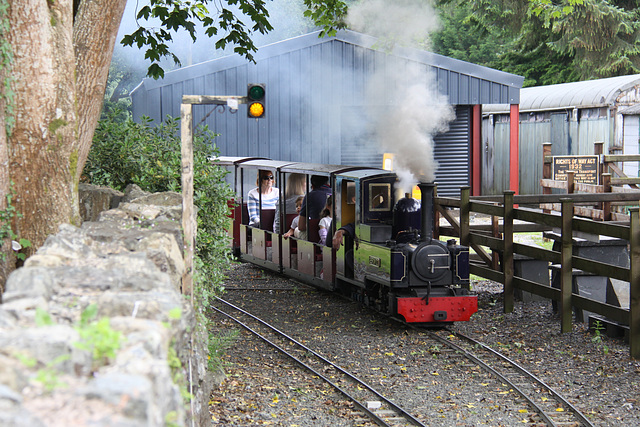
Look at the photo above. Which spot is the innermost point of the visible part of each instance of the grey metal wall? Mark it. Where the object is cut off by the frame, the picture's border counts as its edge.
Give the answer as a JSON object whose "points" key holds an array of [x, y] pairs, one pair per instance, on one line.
{"points": [[567, 135]]}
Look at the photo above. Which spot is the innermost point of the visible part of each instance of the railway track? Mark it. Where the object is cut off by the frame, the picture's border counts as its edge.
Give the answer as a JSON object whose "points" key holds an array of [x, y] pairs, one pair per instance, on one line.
{"points": [[544, 405], [520, 393], [370, 402]]}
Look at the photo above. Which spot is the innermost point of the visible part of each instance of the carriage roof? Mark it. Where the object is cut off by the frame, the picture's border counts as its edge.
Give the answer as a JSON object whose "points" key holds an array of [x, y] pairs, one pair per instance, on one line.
{"points": [[318, 168], [265, 164], [230, 161], [367, 173]]}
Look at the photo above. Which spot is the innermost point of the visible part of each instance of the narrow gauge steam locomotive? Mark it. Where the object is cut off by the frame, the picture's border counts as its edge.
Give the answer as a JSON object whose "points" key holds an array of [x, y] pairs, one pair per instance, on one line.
{"points": [[392, 263]]}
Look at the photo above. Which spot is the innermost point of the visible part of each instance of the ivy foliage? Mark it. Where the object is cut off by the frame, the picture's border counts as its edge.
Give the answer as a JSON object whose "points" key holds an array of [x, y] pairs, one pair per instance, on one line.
{"points": [[149, 155]]}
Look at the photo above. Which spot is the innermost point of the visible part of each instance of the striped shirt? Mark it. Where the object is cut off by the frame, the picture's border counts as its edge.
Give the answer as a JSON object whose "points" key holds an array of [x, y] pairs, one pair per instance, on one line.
{"points": [[269, 201]]}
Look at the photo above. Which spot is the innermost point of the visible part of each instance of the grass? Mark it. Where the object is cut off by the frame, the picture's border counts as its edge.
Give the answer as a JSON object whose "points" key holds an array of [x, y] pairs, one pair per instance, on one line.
{"points": [[536, 238]]}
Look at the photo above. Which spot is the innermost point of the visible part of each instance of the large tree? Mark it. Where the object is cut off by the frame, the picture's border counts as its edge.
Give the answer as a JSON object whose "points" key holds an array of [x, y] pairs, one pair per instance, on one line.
{"points": [[547, 41], [61, 53], [603, 36], [504, 36], [56, 56]]}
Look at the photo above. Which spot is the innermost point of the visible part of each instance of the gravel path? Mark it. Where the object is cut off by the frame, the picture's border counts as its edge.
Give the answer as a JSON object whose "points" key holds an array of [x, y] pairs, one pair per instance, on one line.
{"points": [[262, 387]]}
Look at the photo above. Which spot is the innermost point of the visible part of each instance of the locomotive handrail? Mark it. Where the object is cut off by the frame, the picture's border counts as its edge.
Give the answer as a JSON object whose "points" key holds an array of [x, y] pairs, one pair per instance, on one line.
{"points": [[500, 240]]}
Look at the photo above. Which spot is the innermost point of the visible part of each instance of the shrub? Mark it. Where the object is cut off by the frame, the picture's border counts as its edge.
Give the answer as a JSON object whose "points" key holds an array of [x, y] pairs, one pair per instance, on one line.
{"points": [[125, 152]]}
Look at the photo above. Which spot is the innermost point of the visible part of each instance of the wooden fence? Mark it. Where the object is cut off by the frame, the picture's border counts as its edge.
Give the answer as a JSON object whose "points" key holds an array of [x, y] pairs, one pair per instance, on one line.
{"points": [[509, 215]]}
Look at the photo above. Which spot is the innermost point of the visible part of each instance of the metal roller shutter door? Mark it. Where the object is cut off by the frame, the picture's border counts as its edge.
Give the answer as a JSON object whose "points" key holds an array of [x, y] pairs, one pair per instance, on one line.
{"points": [[451, 151]]}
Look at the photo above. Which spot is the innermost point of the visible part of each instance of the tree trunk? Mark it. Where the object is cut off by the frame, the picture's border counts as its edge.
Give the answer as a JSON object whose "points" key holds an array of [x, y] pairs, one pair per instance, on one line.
{"points": [[60, 70], [94, 34], [43, 137], [5, 244]]}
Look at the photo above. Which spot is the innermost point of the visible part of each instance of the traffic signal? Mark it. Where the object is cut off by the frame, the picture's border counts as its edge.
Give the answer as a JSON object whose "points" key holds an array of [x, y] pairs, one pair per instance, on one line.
{"points": [[255, 95]]}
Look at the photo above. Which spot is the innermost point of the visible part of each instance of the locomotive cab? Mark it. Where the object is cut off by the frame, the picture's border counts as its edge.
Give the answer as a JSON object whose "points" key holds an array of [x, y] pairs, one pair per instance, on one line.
{"points": [[364, 202], [394, 263]]}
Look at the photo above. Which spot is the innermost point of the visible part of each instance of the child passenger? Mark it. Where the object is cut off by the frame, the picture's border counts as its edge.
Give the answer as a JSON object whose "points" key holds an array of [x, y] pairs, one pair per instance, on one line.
{"points": [[294, 223], [325, 221]]}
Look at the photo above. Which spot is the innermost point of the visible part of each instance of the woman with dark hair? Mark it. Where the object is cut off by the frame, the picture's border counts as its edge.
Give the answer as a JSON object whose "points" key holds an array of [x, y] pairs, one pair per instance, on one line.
{"points": [[264, 196]]}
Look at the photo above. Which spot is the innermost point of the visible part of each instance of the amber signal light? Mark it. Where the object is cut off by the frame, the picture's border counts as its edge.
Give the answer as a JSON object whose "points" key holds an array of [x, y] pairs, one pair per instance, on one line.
{"points": [[256, 97]]}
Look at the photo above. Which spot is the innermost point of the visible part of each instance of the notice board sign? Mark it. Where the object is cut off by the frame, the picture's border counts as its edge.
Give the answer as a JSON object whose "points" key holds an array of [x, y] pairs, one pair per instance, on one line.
{"points": [[585, 167]]}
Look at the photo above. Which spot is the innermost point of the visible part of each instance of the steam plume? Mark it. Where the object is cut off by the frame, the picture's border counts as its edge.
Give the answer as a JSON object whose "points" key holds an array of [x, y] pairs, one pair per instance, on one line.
{"points": [[418, 110]]}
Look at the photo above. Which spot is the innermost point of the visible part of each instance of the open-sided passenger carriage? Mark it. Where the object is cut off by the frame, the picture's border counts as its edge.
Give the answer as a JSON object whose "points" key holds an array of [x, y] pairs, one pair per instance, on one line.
{"points": [[233, 178], [307, 259]]}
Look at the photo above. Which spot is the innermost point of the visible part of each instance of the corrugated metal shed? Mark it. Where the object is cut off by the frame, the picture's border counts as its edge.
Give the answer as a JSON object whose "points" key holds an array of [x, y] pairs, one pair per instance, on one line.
{"points": [[317, 102], [570, 116], [585, 94]]}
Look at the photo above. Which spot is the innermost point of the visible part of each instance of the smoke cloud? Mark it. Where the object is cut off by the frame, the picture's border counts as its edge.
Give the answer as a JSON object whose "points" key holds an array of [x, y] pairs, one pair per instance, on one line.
{"points": [[418, 110]]}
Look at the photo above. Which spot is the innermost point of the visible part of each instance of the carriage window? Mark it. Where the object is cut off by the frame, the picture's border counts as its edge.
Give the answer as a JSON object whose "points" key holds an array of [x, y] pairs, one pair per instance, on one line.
{"points": [[351, 193], [379, 197]]}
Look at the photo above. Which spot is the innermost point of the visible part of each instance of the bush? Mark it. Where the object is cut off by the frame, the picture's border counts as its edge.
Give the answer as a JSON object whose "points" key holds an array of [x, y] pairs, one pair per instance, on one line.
{"points": [[125, 152]]}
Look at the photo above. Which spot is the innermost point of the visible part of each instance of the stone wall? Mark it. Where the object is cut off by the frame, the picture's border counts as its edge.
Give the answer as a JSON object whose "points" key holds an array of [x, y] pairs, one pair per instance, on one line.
{"points": [[128, 265]]}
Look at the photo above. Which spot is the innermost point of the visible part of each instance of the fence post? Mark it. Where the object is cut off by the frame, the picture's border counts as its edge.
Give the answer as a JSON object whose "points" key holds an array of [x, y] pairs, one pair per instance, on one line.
{"points": [[546, 169], [546, 166], [464, 215], [571, 182], [598, 150], [606, 187], [507, 256], [495, 232], [188, 215], [634, 284], [566, 269]]}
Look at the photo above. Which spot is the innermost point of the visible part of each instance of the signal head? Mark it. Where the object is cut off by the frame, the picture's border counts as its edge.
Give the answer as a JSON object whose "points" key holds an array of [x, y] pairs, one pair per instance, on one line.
{"points": [[256, 96]]}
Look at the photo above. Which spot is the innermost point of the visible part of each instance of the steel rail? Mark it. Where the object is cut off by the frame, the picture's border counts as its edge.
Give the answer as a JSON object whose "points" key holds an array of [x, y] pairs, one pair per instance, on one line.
{"points": [[491, 370], [522, 370], [365, 409], [488, 368]]}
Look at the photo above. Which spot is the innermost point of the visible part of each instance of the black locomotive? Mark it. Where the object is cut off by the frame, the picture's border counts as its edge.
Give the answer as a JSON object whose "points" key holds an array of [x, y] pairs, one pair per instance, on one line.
{"points": [[388, 259]]}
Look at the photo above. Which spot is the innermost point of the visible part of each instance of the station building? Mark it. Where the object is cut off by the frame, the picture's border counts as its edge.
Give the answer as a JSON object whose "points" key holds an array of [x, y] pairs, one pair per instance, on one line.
{"points": [[319, 109]]}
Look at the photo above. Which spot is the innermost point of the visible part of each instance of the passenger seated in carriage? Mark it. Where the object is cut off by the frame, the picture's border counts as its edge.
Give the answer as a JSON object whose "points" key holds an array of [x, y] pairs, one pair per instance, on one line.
{"points": [[265, 196], [314, 202]]}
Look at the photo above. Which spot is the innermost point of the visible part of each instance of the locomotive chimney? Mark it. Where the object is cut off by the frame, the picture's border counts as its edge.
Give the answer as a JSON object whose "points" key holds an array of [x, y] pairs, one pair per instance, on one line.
{"points": [[427, 190]]}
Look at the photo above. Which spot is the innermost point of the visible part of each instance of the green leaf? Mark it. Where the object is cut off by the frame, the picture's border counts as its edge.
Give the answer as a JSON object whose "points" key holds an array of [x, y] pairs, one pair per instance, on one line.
{"points": [[43, 318], [88, 314]]}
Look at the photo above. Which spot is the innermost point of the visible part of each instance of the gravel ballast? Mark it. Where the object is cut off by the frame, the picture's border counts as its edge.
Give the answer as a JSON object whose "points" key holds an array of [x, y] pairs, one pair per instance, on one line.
{"points": [[262, 387]]}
